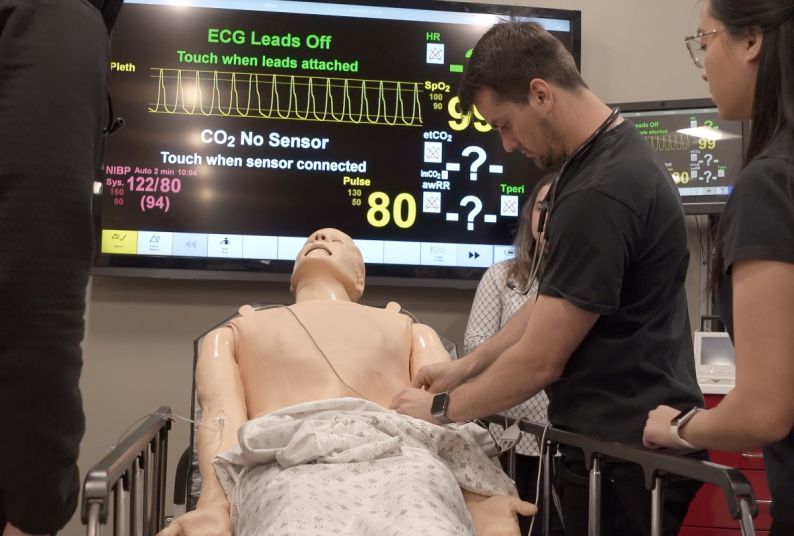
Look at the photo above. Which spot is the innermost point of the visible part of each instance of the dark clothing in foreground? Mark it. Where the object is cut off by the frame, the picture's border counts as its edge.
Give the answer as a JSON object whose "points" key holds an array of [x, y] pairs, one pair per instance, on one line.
{"points": [[54, 58]]}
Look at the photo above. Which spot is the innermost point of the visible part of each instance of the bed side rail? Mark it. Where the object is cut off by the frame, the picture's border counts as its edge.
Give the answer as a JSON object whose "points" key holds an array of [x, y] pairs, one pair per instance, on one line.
{"points": [[132, 475], [655, 465]]}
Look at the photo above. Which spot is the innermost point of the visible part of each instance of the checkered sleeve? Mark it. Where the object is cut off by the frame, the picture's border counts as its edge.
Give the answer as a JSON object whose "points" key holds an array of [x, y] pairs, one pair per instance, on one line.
{"points": [[486, 310], [493, 307]]}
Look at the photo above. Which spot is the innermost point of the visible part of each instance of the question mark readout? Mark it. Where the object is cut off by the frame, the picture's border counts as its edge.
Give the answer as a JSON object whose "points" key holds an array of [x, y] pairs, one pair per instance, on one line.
{"points": [[476, 209], [475, 165], [707, 174]]}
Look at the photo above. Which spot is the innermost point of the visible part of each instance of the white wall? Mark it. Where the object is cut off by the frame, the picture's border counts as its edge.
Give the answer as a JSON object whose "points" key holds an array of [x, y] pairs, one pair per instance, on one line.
{"points": [[138, 345]]}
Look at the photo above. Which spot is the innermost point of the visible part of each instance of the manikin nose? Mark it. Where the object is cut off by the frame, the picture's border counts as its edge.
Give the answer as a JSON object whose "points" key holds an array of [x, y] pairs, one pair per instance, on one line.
{"points": [[320, 237]]}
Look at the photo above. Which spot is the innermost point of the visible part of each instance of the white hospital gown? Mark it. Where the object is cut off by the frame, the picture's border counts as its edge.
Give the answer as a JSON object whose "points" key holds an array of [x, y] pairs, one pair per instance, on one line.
{"points": [[351, 467]]}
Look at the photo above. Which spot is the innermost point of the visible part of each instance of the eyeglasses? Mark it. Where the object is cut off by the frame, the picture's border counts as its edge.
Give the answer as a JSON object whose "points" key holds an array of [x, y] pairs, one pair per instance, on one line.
{"points": [[694, 44]]}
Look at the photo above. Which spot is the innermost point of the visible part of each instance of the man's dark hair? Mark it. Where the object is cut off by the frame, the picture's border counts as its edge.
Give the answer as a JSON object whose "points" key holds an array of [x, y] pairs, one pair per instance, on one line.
{"points": [[509, 56]]}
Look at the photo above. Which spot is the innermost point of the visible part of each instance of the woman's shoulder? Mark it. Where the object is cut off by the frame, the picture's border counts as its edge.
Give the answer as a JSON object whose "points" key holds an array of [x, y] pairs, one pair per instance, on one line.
{"points": [[500, 269], [770, 174]]}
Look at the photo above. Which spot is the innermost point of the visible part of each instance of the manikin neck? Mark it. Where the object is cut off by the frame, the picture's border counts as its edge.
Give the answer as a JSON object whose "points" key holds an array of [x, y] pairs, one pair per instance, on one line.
{"points": [[579, 116], [321, 289]]}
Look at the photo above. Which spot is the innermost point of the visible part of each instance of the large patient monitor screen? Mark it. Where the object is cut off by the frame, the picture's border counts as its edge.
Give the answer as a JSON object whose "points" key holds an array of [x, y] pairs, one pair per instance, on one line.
{"points": [[250, 124], [702, 152]]}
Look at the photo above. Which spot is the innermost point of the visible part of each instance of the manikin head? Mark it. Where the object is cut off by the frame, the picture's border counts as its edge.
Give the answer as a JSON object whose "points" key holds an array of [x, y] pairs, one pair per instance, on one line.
{"points": [[330, 265]]}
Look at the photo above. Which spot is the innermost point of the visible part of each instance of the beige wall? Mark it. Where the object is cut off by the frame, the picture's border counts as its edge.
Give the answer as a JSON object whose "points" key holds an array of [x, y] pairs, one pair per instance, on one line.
{"points": [[138, 345]]}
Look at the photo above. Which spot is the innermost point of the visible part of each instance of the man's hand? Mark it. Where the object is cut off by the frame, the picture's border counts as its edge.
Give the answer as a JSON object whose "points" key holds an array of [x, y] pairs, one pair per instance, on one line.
{"points": [[210, 521], [442, 377], [414, 402], [657, 432]]}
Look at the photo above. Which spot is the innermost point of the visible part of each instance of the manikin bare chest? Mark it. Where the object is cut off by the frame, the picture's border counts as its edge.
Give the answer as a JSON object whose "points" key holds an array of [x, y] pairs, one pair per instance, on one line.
{"points": [[327, 349]]}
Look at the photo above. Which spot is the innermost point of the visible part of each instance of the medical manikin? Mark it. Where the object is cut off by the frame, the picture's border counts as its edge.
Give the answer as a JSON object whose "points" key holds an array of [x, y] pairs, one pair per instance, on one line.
{"points": [[326, 364]]}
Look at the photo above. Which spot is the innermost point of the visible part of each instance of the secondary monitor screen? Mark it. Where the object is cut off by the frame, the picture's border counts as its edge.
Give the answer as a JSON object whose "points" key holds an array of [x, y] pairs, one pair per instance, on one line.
{"points": [[715, 358], [717, 351], [250, 124], [702, 152]]}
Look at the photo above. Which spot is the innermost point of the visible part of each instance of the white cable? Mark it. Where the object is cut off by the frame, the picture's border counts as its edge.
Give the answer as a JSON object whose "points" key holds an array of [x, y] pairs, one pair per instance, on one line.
{"points": [[543, 447]]}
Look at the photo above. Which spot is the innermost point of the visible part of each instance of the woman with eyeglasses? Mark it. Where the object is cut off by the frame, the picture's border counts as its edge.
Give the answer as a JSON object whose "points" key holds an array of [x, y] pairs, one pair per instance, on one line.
{"points": [[746, 53], [503, 289]]}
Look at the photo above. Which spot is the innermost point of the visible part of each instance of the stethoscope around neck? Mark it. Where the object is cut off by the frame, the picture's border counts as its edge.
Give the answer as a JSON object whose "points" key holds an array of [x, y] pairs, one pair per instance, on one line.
{"points": [[559, 182]]}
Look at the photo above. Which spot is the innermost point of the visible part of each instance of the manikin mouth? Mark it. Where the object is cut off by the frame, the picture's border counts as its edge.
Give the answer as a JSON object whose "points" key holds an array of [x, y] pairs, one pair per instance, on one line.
{"points": [[320, 247]]}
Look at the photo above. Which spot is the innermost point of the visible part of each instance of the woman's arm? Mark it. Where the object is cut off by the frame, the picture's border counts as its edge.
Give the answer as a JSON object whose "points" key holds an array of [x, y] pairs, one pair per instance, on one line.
{"points": [[760, 409]]}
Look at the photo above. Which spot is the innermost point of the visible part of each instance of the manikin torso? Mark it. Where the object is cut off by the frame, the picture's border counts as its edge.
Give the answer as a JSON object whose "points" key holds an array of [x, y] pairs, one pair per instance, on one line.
{"points": [[265, 360], [280, 365]]}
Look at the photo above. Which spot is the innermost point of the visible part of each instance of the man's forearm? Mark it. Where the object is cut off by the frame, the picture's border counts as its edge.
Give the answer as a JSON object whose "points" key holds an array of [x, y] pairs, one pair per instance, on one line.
{"points": [[499, 387], [545, 340]]}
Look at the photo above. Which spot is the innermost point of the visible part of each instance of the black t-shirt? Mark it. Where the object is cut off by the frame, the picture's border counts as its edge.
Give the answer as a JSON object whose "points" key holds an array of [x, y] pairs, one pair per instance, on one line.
{"points": [[618, 247], [758, 223]]}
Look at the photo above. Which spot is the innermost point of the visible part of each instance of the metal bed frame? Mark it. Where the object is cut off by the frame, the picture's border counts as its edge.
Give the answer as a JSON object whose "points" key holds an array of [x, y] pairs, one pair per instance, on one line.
{"points": [[132, 478], [655, 465]]}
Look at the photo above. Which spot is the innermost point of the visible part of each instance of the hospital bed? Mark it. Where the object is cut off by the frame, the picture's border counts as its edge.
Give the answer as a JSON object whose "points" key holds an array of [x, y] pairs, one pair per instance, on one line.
{"points": [[128, 485]]}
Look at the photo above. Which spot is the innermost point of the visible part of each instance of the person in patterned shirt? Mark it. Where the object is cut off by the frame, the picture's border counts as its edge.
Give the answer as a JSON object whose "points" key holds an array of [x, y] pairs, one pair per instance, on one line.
{"points": [[502, 291]]}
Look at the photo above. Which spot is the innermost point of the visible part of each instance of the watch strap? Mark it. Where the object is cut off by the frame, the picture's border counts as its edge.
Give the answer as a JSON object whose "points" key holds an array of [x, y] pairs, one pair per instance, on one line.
{"points": [[442, 419], [677, 425], [440, 413]]}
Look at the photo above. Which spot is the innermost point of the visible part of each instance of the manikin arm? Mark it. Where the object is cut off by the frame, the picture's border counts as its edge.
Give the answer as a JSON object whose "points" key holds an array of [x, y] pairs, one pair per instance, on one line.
{"points": [[497, 516], [220, 394], [492, 516], [426, 348]]}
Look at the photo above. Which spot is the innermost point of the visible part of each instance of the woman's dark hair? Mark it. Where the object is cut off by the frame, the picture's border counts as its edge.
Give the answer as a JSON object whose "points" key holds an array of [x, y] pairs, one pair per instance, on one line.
{"points": [[509, 56], [525, 243], [773, 101], [773, 104]]}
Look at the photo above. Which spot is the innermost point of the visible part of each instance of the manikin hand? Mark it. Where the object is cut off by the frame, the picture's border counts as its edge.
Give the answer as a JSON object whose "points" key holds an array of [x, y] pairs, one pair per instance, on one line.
{"points": [[442, 377], [657, 433], [497, 516], [208, 521]]}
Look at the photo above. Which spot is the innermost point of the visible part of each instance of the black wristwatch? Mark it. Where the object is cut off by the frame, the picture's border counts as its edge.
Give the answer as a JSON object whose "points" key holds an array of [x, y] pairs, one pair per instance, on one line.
{"points": [[438, 409], [678, 422]]}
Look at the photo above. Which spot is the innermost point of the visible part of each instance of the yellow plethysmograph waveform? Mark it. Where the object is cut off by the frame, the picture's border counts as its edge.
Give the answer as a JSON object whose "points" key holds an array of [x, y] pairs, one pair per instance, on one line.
{"points": [[282, 96], [670, 142]]}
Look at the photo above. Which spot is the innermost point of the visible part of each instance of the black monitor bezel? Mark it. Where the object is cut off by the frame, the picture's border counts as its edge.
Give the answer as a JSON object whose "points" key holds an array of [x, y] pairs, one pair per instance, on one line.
{"points": [[279, 270], [690, 208]]}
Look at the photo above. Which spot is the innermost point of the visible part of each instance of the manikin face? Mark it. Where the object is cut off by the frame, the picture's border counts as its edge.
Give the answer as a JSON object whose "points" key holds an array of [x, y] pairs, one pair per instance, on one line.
{"points": [[330, 253], [542, 193], [730, 67], [523, 127]]}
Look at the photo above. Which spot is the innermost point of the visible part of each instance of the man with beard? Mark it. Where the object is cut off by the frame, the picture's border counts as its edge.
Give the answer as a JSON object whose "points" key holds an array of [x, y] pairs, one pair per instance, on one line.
{"points": [[609, 336]]}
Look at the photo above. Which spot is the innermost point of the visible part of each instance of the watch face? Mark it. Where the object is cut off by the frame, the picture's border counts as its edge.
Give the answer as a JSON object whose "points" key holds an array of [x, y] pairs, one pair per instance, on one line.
{"points": [[439, 405]]}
